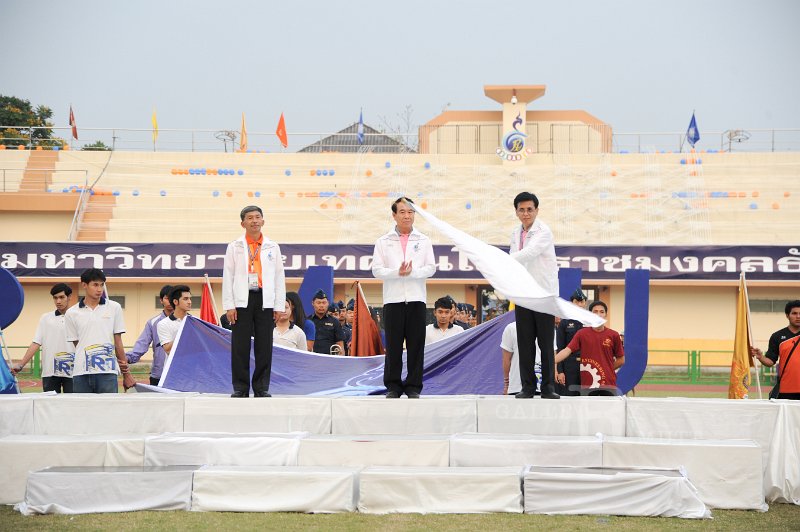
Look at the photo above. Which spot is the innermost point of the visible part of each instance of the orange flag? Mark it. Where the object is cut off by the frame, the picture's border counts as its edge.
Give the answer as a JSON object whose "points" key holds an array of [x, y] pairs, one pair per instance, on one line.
{"points": [[73, 124], [366, 336], [281, 132], [243, 137], [740, 364], [208, 312]]}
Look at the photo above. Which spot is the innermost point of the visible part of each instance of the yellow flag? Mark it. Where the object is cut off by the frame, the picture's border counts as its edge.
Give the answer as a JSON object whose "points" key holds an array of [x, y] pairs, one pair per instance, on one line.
{"points": [[243, 137], [155, 126], [741, 362]]}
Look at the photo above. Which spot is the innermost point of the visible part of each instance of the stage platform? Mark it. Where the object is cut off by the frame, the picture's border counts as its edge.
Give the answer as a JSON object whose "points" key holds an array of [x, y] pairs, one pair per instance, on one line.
{"points": [[737, 454]]}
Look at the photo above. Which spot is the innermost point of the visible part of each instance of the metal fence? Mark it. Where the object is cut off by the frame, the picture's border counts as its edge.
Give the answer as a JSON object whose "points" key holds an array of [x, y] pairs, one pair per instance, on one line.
{"points": [[445, 139]]}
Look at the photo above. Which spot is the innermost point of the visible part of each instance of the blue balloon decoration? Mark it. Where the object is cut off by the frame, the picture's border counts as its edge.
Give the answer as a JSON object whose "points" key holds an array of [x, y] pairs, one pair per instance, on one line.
{"points": [[215, 193], [135, 192], [623, 151], [469, 206], [257, 194], [331, 172], [56, 148], [319, 172], [699, 161], [191, 171], [427, 166], [324, 172], [683, 161], [241, 172], [388, 164], [203, 171], [287, 173], [64, 190], [115, 193], [163, 193]]}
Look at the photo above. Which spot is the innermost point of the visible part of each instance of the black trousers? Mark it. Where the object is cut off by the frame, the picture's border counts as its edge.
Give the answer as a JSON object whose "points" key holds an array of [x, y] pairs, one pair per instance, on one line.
{"points": [[252, 321], [57, 384], [535, 327], [404, 321], [571, 367]]}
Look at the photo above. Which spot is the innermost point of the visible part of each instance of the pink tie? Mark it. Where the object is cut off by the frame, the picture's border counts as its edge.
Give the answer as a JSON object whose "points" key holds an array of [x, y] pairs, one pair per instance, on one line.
{"points": [[522, 238]]}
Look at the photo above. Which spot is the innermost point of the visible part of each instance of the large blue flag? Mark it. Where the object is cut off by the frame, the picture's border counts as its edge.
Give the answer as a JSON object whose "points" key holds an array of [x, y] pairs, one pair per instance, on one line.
{"points": [[7, 382], [692, 134], [467, 363], [361, 127]]}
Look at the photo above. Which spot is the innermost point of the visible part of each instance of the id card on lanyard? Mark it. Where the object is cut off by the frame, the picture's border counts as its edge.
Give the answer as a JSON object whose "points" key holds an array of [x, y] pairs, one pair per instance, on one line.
{"points": [[252, 275]]}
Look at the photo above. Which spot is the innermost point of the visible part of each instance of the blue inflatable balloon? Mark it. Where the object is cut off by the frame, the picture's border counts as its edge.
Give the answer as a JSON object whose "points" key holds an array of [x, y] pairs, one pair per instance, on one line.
{"points": [[388, 164], [257, 194], [469, 206], [427, 166], [241, 172], [331, 172], [754, 206], [115, 193], [319, 172], [135, 192], [324, 172], [287, 173], [163, 193], [215, 193]]}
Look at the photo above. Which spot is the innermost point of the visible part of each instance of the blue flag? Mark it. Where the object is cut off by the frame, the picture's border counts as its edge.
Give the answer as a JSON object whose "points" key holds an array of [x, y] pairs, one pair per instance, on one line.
{"points": [[692, 134], [7, 382], [361, 127]]}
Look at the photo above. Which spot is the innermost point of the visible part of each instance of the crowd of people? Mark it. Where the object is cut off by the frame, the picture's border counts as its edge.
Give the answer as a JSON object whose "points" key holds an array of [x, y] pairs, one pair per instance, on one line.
{"points": [[81, 344]]}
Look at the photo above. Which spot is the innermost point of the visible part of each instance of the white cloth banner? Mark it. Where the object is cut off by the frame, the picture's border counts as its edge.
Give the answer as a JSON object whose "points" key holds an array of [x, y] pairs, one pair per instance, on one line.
{"points": [[275, 489], [782, 475], [577, 491], [16, 414], [508, 276]]}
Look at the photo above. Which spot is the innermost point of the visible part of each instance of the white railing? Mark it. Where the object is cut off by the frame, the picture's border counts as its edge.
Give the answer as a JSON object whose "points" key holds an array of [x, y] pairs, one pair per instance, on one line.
{"points": [[445, 139]]}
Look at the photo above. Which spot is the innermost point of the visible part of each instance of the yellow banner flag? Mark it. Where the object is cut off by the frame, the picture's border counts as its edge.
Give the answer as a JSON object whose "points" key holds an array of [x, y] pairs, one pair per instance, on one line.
{"points": [[155, 127], [243, 137], [741, 362]]}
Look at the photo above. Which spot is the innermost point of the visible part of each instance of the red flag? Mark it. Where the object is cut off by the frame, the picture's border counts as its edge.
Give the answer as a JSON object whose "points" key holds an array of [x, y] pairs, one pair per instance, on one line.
{"points": [[73, 124], [281, 132], [366, 336], [207, 311]]}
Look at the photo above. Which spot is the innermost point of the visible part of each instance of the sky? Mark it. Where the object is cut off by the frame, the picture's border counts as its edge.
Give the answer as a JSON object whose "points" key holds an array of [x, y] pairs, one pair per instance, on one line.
{"points": [[641, 66]]}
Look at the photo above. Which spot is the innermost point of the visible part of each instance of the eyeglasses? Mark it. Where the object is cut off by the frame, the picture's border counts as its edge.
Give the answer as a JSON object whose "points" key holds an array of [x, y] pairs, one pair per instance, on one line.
{"points": [[526, 211]]}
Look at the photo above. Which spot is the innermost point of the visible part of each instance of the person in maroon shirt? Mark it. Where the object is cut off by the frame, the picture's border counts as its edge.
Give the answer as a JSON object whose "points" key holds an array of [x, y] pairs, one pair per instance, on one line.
{"points": [[601, 351]]}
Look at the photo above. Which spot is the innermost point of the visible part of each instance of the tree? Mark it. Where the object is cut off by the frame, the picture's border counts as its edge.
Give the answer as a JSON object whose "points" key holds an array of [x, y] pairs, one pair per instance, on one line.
{"points": [[96, 146], [403, 129], [28, 123]]}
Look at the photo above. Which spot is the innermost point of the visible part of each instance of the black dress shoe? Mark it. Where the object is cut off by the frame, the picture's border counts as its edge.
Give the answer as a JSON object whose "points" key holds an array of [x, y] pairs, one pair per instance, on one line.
{"points": [[550, 395], [239, 394], [524, 395], [262, 394], [392, 395], [412, 395]]}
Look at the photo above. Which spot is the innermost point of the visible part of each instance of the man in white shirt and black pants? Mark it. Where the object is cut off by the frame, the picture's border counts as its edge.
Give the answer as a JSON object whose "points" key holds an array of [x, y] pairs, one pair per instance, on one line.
{"points": [[253, 292], [532, 246], [403, 259]]}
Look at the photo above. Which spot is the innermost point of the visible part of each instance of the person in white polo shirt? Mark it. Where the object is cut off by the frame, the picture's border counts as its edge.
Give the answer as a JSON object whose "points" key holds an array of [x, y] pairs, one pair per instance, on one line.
{"points": [[181, 300], [288, 334], [403, 259], [443, 328], [57, 355], [95, 326]]}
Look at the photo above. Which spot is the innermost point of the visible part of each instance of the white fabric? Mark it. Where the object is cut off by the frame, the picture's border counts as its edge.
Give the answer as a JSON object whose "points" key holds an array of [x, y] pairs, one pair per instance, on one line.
{"points": [[235, 291], [579, 491], [168, 329], [16, 414], [364, 451], [109, 489], [51, 336], [20, 454], [275, 489], [221, 449], [782, 476], [727, 474], [108, 414], [509, 342], [293, 337], [94, 330], [387, 256], [703, 419], [209, 413], [385, 490], [524, 449], [569, 416], [427, 415], [538, 255], [433, 333], [508, 276]]}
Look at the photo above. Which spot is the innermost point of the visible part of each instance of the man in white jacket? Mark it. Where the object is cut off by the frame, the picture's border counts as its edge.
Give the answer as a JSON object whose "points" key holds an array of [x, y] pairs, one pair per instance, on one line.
{"points": [[403, 259], [253, 292], [532, 246]]}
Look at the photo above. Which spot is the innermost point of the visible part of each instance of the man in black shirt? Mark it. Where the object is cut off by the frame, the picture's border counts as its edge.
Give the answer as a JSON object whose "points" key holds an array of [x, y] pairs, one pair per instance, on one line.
{"points": [[329, 332], [782, 349], [568, 372]]}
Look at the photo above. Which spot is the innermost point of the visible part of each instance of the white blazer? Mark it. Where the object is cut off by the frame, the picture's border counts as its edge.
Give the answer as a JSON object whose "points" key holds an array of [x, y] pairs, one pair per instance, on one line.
{"points": [[235, 291], [538, 255], [386, 260]]}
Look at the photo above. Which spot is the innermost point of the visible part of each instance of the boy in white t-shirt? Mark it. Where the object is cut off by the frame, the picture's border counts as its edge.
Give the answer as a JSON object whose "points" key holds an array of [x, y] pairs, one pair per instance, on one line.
{"points": [[181, 299]]}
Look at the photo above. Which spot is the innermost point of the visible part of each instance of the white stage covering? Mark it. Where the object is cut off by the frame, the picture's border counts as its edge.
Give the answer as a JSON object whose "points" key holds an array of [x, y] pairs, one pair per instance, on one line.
{"points": [[385, 490], [275, 489], [589, 491], [568, 416], [427, 415], [726, 473], [107, 414], [20, 454], [16, 414], [67, 490], [216, 413], [376, 450], [782, 475], [222, 449], [525, 449]]}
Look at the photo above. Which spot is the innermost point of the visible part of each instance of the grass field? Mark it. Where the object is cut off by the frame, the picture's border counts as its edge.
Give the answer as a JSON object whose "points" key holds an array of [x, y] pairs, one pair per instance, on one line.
{"points": [[779, 517]]}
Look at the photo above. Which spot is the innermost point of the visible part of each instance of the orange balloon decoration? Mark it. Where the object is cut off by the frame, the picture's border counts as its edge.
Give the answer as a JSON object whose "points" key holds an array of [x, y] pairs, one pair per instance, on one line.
{"points": [[229, 194]]}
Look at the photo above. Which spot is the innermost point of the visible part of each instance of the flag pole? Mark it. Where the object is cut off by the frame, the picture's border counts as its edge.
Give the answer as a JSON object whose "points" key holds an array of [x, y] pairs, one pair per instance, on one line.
{"points": [[756, 364], [213, 302]]}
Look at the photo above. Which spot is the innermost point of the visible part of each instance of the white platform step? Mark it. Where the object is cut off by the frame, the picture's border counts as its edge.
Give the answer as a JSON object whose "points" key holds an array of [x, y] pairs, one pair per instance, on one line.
{"points": [[385, 490], [475, 450], [374, 450], [427, 415], [214, 413], [223, 449]]}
